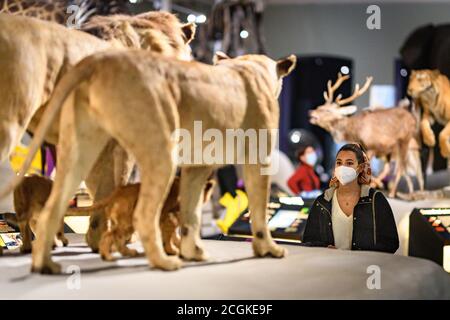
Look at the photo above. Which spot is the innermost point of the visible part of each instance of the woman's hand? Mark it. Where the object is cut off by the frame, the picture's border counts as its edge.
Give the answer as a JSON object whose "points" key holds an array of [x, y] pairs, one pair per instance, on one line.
{"points": [[331, 247]]}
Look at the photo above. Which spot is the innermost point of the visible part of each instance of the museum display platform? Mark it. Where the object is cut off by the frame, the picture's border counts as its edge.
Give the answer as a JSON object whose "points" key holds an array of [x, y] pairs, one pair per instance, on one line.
{"points": [[232, 273]]}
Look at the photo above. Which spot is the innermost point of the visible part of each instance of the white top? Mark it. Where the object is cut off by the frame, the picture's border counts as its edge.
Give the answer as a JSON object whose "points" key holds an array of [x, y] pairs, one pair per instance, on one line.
{"points": [[342, 226]]}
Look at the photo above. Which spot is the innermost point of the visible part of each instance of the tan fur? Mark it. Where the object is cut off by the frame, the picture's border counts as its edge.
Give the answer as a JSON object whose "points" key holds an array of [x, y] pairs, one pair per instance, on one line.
{"points": [[385, 133], [35, 54], [48, 51], [155, 31], [119, 212], [431, 90], [136, 94], [29, 199]]}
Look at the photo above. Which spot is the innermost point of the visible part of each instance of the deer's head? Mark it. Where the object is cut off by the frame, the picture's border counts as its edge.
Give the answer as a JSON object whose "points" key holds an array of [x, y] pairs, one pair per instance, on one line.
{"points": [[333, 110]]}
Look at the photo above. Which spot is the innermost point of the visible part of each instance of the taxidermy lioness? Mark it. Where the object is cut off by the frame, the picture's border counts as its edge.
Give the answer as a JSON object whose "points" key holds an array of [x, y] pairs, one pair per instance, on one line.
{"points": [[119, 208], [29, 199], [132, 94], [35, 54]]}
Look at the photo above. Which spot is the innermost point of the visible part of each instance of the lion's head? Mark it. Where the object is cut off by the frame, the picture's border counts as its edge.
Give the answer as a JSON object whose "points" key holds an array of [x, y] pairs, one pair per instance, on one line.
{"points": [[276, 70], [420, 81], [156, 31]]}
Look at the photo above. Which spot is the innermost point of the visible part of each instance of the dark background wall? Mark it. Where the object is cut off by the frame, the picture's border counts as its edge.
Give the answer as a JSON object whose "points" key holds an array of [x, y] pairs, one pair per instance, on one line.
{"points": [[340, 29]]}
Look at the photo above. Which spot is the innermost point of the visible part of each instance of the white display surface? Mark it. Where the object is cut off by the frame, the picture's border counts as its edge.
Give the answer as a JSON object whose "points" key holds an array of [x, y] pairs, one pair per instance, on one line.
{"points": [[232, 273]]}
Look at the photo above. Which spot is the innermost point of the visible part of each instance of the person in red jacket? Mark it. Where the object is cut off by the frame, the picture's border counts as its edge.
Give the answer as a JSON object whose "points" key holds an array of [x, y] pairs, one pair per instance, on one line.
{"points": [[304, 178]]}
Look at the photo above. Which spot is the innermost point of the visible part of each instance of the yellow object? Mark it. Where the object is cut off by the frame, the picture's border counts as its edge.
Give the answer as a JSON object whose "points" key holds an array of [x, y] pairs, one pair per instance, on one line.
{"points": [[235, 206], [18, 157]]}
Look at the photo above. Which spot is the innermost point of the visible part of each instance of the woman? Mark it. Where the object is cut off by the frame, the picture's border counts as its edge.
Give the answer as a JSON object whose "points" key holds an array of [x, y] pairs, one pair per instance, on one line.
{"points": [[351, 215], [304, 178]]}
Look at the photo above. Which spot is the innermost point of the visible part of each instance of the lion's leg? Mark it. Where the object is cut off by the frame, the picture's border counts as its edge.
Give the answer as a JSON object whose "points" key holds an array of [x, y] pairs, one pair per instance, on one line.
{"points": [[10, 134], [100, 182], [176, 239], [427, 132], [121, 216], [121, 243], [157, 118], [60, 235], [168, 229], [81, 140], [257, 187], [148, 210], [25, 231], [123, 165], [105, 246], [193, 181], [113, 168], [444, 142]]}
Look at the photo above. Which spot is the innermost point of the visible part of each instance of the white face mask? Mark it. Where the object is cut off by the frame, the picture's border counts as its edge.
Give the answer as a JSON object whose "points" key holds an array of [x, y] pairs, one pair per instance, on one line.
{"points": [[345, 174], [311, 158]]}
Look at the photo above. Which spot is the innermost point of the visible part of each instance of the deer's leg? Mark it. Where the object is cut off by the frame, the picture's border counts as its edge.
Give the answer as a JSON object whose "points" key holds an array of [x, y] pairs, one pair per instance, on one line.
{"points": [[444, 142], [400, 167], [386, 169], [398, 175], [430, 160], [383, 174], [419, 175], [415, 161], [409, 183]]}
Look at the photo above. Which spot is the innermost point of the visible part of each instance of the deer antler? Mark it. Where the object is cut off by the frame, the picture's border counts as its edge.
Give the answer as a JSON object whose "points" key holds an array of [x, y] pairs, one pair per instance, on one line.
{"points": [[332, 88], [357, 93]]}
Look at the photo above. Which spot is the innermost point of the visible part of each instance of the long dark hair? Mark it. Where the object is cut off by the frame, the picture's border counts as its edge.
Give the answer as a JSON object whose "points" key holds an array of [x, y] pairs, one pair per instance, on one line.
{"points": [[357, 149]]}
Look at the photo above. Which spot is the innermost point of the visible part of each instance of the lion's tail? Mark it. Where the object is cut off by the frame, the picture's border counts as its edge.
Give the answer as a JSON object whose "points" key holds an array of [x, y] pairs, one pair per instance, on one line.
{"points": [[65, 86], [81, 211]]}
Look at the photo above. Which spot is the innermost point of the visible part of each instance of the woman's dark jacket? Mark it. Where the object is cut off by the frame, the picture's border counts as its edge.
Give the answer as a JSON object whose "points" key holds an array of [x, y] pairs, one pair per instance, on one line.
{"points": [[374, 226]]}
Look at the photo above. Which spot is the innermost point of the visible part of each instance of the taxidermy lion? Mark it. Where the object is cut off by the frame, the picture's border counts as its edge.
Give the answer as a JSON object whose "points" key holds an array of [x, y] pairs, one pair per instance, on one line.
{"points": [[29, 199], [32, 193], [132, 94], [431, 90], [119, 212], [35, 54]]}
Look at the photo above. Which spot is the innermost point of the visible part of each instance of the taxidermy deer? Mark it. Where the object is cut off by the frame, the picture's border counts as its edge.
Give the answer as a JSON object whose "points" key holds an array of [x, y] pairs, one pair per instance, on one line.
{"points": [[385, 133]]}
